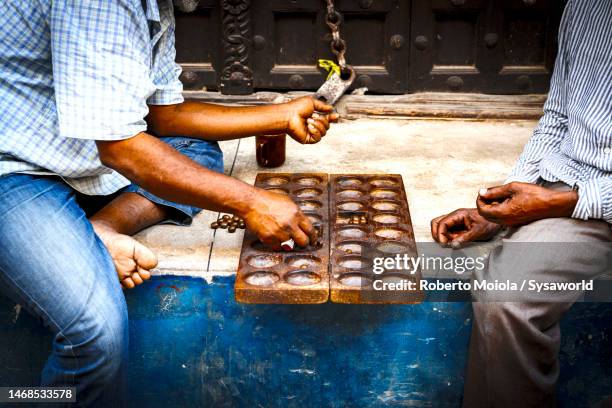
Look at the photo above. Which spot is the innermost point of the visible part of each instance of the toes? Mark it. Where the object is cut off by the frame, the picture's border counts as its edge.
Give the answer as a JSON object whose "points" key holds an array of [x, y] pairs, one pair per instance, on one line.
{"points": [[128, 283], [144, 257], [124, 265], [137, 279], [144, 274]]}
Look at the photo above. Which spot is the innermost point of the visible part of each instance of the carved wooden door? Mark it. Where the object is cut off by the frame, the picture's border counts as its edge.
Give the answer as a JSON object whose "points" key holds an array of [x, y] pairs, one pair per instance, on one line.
{"points": [[396, 46]]}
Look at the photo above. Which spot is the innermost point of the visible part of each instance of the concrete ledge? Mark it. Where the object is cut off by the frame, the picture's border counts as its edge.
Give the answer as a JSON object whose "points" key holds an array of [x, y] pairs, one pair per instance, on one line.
{"points": [[420, 105]]}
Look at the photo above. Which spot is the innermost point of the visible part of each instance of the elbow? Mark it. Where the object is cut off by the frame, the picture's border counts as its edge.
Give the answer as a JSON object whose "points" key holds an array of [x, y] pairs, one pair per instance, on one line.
{"points": [[159, 128], [160, 120], [112, 155]]}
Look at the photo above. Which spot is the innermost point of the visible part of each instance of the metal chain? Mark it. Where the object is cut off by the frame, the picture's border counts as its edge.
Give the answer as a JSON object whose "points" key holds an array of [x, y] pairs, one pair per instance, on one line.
{"points": [[338, 45]]}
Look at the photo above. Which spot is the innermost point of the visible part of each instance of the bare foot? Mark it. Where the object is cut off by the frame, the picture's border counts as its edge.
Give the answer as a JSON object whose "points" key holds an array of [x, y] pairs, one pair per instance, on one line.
{"points": [[133, 261]]}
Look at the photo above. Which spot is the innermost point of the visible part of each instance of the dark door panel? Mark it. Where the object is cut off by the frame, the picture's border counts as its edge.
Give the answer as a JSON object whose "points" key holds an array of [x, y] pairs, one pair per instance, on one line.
{"points": [[490, 46], [291, 36], [197, 45]]}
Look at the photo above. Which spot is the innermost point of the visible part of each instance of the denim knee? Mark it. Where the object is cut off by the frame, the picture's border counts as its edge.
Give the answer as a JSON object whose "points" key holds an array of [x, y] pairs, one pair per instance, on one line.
{"points": [[204, 152], [109, 342], [98, 338]]}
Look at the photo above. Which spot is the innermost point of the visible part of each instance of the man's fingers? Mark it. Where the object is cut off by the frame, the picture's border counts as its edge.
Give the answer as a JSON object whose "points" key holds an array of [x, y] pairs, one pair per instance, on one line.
{"points": [[301, 135], [449, 222], [463, 238], [299, 237], [321, 106], [324, 119], [499, 193], [492, 212], [318, 125], [276, 239], [333, 117], [434, 227], [314, 134], [309, 230]]}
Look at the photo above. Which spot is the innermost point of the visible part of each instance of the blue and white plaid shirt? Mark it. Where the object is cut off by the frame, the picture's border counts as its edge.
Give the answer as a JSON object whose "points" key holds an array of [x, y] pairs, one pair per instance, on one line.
{"points": [[76, 71], [573, 141]]}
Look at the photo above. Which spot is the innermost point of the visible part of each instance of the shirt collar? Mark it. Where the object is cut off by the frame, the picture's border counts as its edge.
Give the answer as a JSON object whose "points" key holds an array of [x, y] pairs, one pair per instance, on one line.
{"points": [[151, 10]]}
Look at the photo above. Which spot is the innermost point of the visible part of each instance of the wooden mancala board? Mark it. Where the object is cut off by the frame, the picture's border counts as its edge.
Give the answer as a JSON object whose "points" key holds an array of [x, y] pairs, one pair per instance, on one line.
{"points": [[358, 216]]}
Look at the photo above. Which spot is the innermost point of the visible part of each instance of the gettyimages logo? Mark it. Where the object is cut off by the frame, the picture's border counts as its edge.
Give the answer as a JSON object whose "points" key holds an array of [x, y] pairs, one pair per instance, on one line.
{"points": [[457, 264]]}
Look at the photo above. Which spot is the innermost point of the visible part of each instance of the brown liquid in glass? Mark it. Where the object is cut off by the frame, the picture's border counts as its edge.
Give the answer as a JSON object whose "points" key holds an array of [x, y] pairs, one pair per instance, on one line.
{"points": [[270, 150]]}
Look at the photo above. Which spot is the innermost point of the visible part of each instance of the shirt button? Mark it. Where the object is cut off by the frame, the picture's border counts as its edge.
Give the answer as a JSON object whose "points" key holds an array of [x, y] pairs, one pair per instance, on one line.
{"points": [[607, 150]]}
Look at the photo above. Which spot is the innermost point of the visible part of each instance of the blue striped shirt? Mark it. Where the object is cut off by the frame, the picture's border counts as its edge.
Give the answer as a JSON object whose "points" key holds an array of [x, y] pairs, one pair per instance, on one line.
{"points": [[573, 140], [76, 71]]}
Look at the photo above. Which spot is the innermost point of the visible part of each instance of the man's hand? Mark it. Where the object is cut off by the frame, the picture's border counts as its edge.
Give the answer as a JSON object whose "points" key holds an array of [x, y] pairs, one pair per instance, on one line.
{"points": [[521, 203], [275, 218], [462, 226], [309, 119]]}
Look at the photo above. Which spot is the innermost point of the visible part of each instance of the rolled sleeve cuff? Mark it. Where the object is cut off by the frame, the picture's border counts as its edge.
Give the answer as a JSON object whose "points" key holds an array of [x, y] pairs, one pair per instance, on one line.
{"points": [[521, 179], [164, 97], [105, 133], [524, 174], [594, 200]]}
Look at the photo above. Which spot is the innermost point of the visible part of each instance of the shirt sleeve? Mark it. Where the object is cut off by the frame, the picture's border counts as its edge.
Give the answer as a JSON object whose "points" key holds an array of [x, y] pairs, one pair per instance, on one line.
{"points": [[100, 54], [552, 127], [594, 200], [166, 72]]}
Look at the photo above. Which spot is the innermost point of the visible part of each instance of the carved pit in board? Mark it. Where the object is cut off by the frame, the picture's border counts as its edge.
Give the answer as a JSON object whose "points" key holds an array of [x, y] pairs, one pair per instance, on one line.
{"points": [[278, 190], [351, 206], [384, 218], [310, 205], [261, 278], [274, 180], [264, 261], [349, 194], [385, 205], [302, 278], [308, 180], [351, 247], [303, 261], [308, 192]]}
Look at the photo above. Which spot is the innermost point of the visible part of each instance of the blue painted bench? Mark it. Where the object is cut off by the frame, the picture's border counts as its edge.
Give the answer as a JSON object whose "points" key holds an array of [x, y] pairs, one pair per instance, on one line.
{"points": [[193, 345]]}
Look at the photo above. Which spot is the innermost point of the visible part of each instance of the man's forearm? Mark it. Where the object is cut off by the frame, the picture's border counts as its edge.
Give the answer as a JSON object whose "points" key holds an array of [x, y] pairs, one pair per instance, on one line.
{"points": [[166, 173], [216, 122]]}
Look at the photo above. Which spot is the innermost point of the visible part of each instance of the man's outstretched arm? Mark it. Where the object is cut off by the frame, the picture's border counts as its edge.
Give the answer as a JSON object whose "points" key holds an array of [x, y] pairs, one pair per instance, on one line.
{"points": [[305, 119], [166, 173]]}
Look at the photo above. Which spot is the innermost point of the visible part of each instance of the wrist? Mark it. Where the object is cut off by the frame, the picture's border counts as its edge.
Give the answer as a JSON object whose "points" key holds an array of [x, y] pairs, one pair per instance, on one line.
{"points": [[285, 112], [248, 203], [565, 202]]}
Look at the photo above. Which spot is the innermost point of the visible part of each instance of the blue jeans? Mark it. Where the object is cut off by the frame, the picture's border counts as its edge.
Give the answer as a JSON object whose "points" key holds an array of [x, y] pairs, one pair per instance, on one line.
{"points": [[54, 265]]}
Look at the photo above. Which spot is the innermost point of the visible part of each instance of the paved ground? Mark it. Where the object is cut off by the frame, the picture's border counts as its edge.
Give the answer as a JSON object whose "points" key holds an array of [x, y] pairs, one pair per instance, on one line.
{"points": [[443, 163]]}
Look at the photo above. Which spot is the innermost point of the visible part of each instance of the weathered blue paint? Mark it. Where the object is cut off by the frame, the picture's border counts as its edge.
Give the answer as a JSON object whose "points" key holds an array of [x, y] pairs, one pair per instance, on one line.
{"points": [[193, 345]]}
